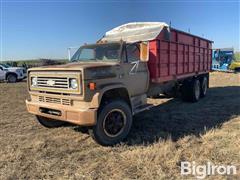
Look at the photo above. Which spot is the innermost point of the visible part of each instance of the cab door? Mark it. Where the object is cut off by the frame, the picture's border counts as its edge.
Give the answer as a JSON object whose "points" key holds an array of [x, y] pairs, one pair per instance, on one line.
{"points": [[2, 73], [135, 72]]}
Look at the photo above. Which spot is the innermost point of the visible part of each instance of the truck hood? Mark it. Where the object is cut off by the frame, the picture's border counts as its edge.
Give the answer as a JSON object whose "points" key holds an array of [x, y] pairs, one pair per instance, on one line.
{"points": [[14, 69], [76, 66]]}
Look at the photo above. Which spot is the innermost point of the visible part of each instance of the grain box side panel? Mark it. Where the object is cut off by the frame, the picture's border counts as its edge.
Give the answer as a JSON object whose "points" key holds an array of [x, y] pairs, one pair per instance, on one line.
{"points": [[182, 56]]}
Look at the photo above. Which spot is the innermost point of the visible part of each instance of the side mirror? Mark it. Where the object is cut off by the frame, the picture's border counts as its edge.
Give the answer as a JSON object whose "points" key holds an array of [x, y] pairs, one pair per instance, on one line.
{"points": [[144, 51]]}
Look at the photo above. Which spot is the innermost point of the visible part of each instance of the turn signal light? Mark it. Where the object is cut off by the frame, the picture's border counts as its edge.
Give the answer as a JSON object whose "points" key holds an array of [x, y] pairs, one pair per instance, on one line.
{"points": [[92, 86]]}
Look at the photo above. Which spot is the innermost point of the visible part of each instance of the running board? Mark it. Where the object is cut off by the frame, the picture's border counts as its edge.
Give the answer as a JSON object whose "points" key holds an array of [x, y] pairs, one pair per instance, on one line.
{"points": [[142, 108]]}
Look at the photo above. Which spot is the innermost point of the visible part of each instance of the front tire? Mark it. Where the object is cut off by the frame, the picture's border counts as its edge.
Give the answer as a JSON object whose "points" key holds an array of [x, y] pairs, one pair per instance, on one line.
{"points": [[113, 124], [11, 78], [49, 123]]}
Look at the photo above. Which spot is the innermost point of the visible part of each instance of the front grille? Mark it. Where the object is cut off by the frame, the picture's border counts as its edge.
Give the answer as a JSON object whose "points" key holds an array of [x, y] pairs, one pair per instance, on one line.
{"points": [[52, 82], [66, 102], [63, 101], [41, 98], [53, 100], [55, 81]]}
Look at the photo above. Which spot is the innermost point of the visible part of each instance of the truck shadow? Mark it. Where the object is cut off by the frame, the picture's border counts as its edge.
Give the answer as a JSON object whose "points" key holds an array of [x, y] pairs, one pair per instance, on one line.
{"points": [[175, 119]]}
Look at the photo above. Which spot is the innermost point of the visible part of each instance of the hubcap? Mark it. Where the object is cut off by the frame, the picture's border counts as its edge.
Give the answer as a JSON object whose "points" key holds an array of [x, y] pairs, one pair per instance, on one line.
{"points": [[114, 122]]}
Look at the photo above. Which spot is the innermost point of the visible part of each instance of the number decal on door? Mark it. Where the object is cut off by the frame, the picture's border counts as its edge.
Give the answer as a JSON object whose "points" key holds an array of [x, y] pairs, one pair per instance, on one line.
{"points": [[134, 68]]}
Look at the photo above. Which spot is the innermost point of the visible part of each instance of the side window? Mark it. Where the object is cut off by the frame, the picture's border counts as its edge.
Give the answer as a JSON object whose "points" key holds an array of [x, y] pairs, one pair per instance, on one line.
{"points": [[1, 68], [133, 52]]}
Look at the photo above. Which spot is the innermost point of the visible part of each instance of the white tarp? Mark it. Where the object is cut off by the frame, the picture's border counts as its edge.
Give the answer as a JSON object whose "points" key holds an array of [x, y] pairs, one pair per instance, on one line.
{"points": [[135, 31]]}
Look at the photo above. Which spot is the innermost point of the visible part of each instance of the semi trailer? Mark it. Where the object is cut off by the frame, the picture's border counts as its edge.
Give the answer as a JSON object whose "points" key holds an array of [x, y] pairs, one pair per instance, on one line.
{"points": [[106, 83]]}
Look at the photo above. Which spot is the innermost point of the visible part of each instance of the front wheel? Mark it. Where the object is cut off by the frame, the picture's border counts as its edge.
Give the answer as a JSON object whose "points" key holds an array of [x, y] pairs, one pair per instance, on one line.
{"points": [[49, 123], [11, 78], [113, 123]]}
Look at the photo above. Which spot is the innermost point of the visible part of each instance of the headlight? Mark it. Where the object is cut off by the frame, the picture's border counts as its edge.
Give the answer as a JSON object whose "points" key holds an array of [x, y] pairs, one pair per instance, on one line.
{"points": [[73, 83], [34, 81]]}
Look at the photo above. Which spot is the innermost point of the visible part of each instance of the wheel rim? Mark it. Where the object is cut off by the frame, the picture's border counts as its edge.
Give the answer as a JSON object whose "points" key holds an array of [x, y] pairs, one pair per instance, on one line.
{"points": [[197, 89], [114, 122], [204, 86], [11, 79]]}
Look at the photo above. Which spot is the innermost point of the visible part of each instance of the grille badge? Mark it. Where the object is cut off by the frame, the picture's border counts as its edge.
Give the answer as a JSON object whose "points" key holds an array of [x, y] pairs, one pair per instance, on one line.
{"points": [[51, 82]]}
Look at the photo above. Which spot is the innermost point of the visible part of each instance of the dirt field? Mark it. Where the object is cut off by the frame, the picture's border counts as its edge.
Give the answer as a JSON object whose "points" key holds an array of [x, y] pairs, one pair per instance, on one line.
{"points": [[171, 132]]}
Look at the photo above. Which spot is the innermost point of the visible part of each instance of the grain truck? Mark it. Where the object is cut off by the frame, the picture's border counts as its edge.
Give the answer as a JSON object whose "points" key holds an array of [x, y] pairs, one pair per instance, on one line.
{"points": [[108, 82]]}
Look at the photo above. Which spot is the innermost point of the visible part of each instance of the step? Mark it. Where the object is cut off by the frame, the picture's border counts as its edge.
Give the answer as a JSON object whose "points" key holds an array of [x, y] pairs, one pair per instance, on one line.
{"points": [[142, 108]]}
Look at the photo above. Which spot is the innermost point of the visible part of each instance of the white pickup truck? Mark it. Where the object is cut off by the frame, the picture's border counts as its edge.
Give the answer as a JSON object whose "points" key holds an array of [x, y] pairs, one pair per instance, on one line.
{"points": [[12, 74]]}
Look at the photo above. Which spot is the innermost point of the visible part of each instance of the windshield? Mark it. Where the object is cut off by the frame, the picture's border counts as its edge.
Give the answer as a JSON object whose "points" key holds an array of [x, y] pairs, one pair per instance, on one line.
{"points": [[5, 65], [98, 52]]}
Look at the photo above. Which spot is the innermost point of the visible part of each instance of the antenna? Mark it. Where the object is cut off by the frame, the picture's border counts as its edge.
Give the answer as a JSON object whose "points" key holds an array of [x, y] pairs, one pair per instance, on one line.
{"points": [[189, 30], [170, 24]]}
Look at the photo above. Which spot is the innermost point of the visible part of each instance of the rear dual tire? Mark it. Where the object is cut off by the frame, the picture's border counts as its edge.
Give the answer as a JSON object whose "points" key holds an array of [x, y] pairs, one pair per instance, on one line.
{"points": [[193, 90], [204, 86]]}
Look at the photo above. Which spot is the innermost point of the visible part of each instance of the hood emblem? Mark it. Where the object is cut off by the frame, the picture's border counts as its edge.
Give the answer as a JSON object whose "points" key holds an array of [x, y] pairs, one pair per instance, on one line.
{"points": [[51, 82]]}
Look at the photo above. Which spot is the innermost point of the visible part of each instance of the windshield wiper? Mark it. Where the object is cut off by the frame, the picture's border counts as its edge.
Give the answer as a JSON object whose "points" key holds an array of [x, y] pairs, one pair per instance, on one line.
{"points": [[82, 60]]}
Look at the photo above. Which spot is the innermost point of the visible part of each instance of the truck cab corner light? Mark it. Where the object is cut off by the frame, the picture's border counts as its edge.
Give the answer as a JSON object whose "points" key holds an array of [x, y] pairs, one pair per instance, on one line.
{"points": [[92, 86]]}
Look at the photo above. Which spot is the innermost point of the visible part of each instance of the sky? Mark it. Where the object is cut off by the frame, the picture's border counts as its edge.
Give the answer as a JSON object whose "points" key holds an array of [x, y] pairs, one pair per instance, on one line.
{"points": [[32, 29]]}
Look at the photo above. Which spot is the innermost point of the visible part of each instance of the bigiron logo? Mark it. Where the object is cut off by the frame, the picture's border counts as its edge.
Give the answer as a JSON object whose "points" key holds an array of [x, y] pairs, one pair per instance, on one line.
{"points": [[209, 169]]}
